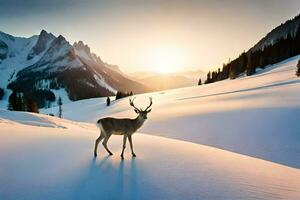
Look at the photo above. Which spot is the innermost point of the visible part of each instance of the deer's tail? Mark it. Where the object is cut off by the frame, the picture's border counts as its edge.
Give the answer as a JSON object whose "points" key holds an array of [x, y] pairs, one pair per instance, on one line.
{"points": [[99, 125]]}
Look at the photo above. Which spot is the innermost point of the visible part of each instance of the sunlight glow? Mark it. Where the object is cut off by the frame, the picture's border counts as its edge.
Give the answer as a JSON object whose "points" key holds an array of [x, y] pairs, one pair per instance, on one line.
{"points": [[165, 59]]}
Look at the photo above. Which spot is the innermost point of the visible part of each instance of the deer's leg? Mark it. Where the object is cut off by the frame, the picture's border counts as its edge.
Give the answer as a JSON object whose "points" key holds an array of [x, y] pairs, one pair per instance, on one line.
{"points": [[97, 142], [131, 146], [105, 144], [124, 146]]}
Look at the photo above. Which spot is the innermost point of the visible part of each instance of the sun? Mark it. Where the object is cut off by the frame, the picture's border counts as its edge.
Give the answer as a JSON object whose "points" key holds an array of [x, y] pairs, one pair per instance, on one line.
{"points": [[165, 59]]}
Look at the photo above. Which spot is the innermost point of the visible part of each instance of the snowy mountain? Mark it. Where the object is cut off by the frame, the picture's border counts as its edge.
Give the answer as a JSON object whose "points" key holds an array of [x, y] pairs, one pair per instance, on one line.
{"points": [[283, 30], [281, 43], [46, 62]]}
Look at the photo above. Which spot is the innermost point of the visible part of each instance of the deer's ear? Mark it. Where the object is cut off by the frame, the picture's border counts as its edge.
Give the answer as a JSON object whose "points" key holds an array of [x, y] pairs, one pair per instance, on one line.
{"points": [[137, 111], [149, 110]]}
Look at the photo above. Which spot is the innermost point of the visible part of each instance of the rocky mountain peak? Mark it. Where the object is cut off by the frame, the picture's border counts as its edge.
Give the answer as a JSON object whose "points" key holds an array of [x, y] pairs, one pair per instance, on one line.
{"points": [[42, 44], [47, 62], [82, 47]]}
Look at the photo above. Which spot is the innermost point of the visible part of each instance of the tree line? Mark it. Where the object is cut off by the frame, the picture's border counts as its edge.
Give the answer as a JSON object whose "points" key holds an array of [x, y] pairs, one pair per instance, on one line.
{"points": [[121, 94], [248, 63], [18, 102], [30, 101]]}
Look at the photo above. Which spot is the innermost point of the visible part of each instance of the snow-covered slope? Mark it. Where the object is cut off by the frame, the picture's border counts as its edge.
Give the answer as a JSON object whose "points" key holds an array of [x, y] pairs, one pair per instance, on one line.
{"points": [[50, 158], [14, 52], [256, 115], [283, 30]]}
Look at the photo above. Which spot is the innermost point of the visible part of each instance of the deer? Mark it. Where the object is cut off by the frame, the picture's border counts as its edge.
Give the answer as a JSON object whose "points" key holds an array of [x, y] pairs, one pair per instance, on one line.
{"points": [[126, 127]]}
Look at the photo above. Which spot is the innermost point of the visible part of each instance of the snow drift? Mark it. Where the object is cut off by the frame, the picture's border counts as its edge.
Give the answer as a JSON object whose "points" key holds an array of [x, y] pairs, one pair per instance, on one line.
{"points": [[48, 162]]}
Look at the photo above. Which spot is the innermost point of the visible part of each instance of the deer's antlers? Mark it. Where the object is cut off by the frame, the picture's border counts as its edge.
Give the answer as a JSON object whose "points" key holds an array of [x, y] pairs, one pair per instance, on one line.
{"points": [[131, 103], [140, 110], [150, 98]]}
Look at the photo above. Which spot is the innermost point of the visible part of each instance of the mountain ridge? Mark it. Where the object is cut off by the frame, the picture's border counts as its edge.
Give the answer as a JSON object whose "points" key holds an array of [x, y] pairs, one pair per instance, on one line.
{"points": [[25, 63], [288, 27]]}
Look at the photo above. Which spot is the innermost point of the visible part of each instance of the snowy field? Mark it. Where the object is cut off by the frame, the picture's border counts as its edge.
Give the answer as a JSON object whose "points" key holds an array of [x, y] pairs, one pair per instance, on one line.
{"points": [[235, 139], [257, 116], [53, 159]]}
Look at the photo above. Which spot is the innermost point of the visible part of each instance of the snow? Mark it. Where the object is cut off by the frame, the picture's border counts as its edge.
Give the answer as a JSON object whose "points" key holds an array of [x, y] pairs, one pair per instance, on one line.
{"points": [[234, 139], [57, 163], [57, 56], [18, 50], [28, 119], [256, 116], [101, 81], [83, 54]]}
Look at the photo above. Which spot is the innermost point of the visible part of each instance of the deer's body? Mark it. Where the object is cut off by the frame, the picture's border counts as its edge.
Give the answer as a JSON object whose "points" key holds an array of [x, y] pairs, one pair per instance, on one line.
{"points": [[126, 127], [121, 126]]}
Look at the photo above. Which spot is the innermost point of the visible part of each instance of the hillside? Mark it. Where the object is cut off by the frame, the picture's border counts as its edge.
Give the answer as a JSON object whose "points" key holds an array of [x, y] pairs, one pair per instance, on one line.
{"points": [[255, 115], [281, 43], [283, 30], [246, 122], [43, 157]]}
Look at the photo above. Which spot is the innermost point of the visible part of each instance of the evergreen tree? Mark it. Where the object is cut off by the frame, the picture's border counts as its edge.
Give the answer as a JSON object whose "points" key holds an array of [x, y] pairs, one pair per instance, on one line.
{"points": [[219, 75], [1, 93], [10, 106], [232, 72], [200, 81], [12, 101], [120, 94], [16, 102], [107, 101], [20, 102], [18, 106], [31, 106], [298, 69], [250, 67], [59, 103], [208, 79]]}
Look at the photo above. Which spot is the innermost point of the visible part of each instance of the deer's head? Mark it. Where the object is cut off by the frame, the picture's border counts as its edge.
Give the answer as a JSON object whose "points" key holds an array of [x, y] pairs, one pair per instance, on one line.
{"points": [[142, 113]]}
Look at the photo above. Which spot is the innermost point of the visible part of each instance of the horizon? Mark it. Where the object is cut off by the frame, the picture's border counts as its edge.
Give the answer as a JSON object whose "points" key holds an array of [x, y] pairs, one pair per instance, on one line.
{"points": [[173, 40]]}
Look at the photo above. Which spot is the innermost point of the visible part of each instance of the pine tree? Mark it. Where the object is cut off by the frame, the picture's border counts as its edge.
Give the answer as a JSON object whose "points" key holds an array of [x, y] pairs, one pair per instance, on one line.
{"points": [[298, 69], [59, 103], [21, 102], [31, 106], [232, 72], [10, 106], [107, 101], [16, 102], [1, 93], [250, 67], [118, 95], [208, 79], [12, 101], [200, 81]]}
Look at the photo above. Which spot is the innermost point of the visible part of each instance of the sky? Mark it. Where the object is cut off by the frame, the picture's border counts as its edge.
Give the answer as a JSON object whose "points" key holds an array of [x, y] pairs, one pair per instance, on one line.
{"points": [[152, 35]]}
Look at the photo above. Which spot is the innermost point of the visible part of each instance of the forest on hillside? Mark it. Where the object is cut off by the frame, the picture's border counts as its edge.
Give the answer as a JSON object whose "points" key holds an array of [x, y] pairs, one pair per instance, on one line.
{"points": [[248, 62]]}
